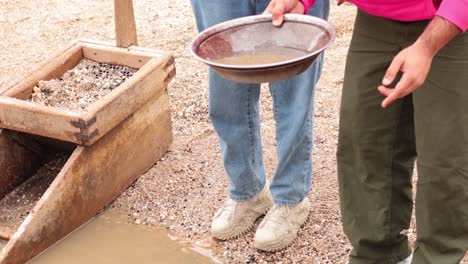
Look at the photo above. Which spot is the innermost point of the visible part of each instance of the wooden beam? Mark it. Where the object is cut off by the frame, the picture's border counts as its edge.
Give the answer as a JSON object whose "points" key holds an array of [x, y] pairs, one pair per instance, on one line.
{"points": [[125, 28]]}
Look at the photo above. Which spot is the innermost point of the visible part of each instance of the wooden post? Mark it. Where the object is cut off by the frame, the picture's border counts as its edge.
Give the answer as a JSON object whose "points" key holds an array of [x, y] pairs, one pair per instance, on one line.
{"points": [[125, 28]]}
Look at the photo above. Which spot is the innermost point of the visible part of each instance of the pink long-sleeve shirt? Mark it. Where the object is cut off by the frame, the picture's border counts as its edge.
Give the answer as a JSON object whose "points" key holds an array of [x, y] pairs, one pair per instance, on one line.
{"points": [[455, 11]]}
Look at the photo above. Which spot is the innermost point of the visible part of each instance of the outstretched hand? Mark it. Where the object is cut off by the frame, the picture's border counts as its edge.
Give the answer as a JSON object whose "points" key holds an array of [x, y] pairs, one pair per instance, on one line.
{"points": [[414, 62], [277, 8]]}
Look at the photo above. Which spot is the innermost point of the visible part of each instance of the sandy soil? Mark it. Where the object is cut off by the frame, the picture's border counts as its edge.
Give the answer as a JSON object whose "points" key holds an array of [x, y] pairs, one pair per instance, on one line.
{"points": [[183, 190]]}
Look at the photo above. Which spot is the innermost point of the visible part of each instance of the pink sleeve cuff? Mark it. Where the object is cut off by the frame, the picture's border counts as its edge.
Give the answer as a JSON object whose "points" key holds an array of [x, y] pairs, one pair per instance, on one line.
{"points": [[455, 11], [307, 4]]}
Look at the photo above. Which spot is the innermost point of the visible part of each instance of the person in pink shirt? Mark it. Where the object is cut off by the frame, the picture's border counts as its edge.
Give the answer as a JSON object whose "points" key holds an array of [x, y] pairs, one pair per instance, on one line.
{"points": [[405, 98]]}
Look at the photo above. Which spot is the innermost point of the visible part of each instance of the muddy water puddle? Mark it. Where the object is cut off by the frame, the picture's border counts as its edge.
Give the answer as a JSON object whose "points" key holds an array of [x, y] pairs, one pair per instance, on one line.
{"points": [[109, 239], [259, 57]]}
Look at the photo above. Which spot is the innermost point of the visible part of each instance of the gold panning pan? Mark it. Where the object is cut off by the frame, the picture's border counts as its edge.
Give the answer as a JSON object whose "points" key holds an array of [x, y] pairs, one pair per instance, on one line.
{"points": [[252, 50]]}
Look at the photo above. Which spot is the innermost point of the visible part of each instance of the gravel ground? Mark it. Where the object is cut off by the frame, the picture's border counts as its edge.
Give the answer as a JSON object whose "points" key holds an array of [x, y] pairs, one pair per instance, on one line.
{"points": [[183, 190]]}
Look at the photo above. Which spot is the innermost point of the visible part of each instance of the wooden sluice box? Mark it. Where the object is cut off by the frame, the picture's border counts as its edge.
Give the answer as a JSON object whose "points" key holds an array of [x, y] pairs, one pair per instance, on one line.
{"points": [[59, 168]]}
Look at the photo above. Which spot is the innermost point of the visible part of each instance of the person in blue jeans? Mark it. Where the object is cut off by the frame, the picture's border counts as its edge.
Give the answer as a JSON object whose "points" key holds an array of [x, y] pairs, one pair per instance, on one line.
{"points": [[234, 112]]}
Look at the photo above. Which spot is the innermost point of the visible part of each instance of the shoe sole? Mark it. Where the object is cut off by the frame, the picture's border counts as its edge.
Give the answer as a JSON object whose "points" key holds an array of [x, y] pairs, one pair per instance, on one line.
{"points": [[232, 234], [237, 232], [283, 244]]}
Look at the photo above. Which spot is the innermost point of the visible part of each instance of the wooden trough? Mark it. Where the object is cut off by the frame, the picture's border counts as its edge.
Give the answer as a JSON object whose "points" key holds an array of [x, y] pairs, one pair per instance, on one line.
{"points": [[106, 148]]}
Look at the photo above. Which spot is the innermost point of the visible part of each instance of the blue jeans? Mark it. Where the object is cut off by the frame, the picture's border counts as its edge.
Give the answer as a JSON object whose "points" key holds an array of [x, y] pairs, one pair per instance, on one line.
{"points": [[234, 111]]}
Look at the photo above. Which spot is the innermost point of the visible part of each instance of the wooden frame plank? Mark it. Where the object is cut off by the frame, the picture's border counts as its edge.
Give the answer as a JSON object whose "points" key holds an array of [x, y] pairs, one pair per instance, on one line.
{"points": [[85, 128], [150, 80], [50, 69], [37, 67], [152, 52], [113, 55], [40, 120]]}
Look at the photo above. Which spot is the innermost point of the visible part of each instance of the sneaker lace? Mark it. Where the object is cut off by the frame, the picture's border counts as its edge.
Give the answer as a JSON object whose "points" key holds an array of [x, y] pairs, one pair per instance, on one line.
{"points": [[278, 213], [230, 206]]}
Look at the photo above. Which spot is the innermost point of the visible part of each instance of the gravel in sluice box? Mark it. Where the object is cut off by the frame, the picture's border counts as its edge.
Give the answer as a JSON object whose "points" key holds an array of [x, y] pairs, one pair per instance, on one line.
{"points": [[79, 87]]}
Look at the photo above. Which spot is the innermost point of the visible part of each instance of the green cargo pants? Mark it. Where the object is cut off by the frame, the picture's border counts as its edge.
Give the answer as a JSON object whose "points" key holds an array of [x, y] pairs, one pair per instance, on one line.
{"points": [[378, 147]]}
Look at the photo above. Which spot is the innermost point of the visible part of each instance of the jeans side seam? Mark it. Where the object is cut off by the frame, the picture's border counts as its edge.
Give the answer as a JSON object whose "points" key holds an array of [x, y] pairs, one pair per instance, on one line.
{"points": [[249, 117], [309, 158], [251, 129], [275, 110]]}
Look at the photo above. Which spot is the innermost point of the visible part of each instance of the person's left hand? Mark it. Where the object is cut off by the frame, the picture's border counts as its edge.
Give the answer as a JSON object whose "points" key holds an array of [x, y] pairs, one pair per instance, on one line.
{"points": [[277, 8], [414, 62]]}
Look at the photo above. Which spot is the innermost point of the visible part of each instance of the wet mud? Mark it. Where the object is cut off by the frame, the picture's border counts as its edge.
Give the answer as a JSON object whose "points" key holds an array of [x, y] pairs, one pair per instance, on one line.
{"points": [[109, 238]]}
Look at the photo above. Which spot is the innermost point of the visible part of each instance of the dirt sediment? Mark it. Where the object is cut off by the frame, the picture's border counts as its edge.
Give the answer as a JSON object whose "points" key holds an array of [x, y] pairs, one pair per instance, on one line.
{"points": [[86, 83], [17, 205]]}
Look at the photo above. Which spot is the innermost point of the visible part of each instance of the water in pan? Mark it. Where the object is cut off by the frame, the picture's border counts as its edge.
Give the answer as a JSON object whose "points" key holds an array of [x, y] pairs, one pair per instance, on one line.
{"points": [[260, 57]]}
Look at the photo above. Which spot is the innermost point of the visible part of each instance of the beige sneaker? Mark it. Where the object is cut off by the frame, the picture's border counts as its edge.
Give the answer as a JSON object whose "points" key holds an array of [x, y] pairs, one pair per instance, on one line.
{"points": [[280, 226], [237, 218]]}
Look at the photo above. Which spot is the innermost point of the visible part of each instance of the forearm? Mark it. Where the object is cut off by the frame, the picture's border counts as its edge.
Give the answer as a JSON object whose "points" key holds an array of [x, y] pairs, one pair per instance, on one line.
{"points": [[438, 33]]}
